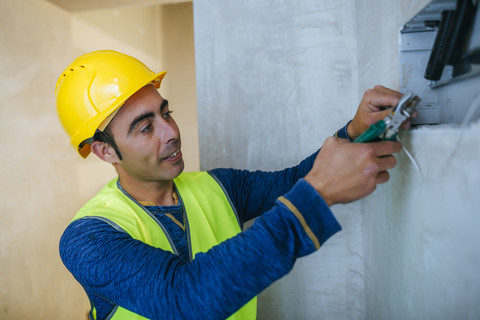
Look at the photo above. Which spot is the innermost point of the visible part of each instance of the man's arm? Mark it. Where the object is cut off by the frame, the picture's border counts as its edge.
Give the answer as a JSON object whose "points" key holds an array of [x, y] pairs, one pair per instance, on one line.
{"points": [[254, 192]]}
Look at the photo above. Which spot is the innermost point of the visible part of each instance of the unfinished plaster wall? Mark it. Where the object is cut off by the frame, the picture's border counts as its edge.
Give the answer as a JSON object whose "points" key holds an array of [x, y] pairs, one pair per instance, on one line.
{"points": [[274, 79], [420, 230], [44, 182]]}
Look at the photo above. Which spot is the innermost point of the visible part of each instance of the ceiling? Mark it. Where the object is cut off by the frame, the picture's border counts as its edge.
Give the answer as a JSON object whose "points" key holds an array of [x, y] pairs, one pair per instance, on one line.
{"points": [[86, 5]]}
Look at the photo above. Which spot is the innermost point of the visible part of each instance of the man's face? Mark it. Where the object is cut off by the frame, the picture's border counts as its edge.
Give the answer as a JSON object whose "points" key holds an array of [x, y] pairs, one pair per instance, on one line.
{"points": [[147, 137]]}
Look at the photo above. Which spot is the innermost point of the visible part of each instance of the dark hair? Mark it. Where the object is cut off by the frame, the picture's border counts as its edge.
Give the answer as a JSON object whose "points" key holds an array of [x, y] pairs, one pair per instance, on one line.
{"points": [[106, 136]]}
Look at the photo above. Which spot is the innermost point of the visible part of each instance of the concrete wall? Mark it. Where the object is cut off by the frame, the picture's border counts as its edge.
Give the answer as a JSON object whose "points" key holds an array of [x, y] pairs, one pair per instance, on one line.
{"points": [[420, 231], [274, 79], [43, 181]]}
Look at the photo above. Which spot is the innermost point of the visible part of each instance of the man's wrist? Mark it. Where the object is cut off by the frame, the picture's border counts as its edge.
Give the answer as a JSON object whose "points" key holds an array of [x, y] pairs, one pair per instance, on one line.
{"points": [[351, 131], [319, 189]]}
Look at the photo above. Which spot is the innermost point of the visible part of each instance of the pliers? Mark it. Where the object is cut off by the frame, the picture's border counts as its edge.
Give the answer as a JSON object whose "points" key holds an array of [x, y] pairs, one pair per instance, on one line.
{"points": [[387, 129]]}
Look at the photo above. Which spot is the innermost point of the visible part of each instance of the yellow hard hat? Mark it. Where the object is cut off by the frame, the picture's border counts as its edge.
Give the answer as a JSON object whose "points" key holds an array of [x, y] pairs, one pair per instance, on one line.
{"points": [[95, 86]]}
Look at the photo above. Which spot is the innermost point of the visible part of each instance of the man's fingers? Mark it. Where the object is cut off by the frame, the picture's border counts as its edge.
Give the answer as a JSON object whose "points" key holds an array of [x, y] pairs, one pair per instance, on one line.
{"points": [[406, 125], [382, 114], [385, 148], [386, 163], [385, 100], [382, 177], [382, 97]]}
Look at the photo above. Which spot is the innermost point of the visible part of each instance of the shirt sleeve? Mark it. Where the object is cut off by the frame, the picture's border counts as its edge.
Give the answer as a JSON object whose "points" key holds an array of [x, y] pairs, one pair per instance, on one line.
{"points": [[254, 192], [342, 133], [158, 284]]}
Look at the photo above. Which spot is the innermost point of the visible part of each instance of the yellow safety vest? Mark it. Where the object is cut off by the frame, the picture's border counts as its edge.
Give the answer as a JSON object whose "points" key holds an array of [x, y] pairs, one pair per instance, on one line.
{"points": [[210, 220]]}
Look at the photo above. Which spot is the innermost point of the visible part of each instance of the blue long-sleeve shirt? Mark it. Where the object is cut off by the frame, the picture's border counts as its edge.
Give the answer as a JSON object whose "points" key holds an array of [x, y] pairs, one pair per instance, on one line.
{"points": [[114, 269]]}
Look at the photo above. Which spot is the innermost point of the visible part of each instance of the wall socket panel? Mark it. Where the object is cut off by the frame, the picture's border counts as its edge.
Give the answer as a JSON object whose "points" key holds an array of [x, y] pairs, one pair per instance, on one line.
{"points": [[448, 99]]}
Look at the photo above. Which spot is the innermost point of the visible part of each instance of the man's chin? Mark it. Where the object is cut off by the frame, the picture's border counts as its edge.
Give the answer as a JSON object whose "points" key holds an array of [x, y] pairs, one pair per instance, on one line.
{"points": [[180, 168]]}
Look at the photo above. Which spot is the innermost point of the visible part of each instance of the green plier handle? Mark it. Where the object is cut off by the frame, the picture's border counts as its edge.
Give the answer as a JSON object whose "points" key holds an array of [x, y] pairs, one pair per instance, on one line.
{"points": [[387, 129], [372, 133]]}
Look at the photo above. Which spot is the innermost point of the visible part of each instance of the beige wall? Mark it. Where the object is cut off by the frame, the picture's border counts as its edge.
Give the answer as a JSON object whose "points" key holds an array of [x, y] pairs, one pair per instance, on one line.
{"points": [[43, 182], [178, 58], [37, 186]]}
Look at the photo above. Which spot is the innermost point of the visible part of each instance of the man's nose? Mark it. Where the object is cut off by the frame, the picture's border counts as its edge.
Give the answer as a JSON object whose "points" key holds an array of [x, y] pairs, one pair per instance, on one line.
{"points": [[168, 131]]}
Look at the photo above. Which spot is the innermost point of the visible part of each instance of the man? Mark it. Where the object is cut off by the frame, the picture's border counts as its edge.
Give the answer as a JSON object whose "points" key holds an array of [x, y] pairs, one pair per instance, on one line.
{"points": [[157, 243]]}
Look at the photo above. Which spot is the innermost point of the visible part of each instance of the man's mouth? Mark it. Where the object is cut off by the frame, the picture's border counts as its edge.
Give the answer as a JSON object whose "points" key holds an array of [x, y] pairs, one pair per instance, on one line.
{"points": [[173, 155]]}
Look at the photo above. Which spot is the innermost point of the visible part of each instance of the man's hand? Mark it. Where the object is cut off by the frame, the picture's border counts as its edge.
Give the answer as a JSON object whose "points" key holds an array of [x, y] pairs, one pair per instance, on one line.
{"points": [[344, 172], [372, 109]]}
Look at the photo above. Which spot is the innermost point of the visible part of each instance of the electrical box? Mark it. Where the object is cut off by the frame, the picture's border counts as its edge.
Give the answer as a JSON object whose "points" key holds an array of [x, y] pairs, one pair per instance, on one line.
{"points": [[439, 60]]}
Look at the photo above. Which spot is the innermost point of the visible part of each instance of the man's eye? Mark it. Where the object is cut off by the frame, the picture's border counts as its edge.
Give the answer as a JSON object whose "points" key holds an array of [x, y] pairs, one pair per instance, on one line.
{"points": [[146, 128], [167, 114]]}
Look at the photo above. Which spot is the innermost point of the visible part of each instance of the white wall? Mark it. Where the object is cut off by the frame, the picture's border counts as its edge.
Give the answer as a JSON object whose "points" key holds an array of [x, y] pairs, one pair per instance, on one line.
{"points": [[420, 231], [264, 66], [273, 80]]}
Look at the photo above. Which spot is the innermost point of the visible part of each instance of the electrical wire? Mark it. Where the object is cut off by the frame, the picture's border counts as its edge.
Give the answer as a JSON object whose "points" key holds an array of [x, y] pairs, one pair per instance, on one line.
{"points": [[412, 159], [466, 121]]}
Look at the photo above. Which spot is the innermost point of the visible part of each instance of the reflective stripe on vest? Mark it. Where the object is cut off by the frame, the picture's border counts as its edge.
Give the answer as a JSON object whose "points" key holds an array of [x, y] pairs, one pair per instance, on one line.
{"points": [[210, 220]]}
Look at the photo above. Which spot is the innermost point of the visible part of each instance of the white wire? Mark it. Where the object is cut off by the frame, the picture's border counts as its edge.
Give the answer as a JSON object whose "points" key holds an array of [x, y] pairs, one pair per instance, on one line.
{"points": [[412, 159], [468, 117]]}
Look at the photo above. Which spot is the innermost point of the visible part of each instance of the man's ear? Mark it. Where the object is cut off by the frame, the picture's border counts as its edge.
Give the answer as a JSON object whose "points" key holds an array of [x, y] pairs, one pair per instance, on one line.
{"points": [[105, 152]]}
